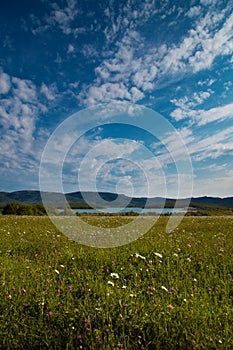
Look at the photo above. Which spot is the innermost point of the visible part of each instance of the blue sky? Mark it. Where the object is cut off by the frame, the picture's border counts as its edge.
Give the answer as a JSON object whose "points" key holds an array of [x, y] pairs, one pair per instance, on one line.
{"points": [[173, 57]]}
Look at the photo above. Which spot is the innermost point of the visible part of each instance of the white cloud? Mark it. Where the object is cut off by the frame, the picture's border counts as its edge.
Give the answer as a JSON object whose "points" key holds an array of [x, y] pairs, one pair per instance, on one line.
{"points": [[215, 185], [132, 64], [203, 117], [18, 114], [207, 82], [208, 2], [106, 92], [24, 89], [186, 104], [64, 17], [48, 92], [71, 48], [5, 83], [194, 11]]}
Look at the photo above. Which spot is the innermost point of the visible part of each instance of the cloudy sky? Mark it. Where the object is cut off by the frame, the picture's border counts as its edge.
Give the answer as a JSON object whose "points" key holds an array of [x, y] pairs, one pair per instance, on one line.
{"points": [[173, 57]]}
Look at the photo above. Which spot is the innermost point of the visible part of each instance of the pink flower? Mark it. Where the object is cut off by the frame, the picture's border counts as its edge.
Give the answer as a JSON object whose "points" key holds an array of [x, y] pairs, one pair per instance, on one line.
{"points": [[170, 307], [58, 291], [77, 311], [70, 287], [85, 321], [60, 305], [79, 337], [107, 330], [120, 346], [50, 313], [88, 330]]}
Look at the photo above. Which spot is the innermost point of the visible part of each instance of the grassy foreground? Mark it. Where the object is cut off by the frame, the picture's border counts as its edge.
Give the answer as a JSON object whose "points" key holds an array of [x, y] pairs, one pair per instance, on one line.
{"points": [[163, 291]]}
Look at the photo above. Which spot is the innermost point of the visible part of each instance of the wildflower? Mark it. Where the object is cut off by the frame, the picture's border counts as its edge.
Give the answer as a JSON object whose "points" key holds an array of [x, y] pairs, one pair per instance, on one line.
{"points": [[25, 305], [86, 321], [55, 281], [158, 254], [23, 290], [107, 330], [58, 291], [110, 283], [50, 313], [57, 272], [70, 287], [114, 275], [60, 305], [123, 287], [120, 346], [170, 307], [62, 266], [88, 330], [164, 288], [113, 262], [77, 311], [140, 256], [79, 337]]}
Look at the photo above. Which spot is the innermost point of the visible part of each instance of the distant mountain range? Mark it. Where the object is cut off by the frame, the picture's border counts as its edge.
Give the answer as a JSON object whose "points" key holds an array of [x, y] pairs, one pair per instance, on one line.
{"points": [[99, 199]]}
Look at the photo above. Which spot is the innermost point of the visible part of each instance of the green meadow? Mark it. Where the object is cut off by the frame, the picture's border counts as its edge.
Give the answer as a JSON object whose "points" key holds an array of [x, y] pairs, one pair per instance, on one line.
{"points": [[163, 291]]}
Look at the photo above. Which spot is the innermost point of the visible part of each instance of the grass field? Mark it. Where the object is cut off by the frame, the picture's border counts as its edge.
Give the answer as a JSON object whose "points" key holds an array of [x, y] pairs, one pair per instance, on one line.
{"points": [[163, 291]]}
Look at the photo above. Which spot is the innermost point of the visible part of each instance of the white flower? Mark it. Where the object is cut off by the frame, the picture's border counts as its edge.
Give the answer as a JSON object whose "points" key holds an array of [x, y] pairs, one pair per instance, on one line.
{"points": [[57, 272], [114, 275], [110, 283], [158, 254], [140, 256], [123, 287], [62, 266], [164, 288], [175, 254], [194, 280]]}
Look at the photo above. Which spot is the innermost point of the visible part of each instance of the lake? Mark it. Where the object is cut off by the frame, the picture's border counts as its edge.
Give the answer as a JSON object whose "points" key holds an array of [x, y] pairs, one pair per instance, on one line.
{"points": [[135, 210]]}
